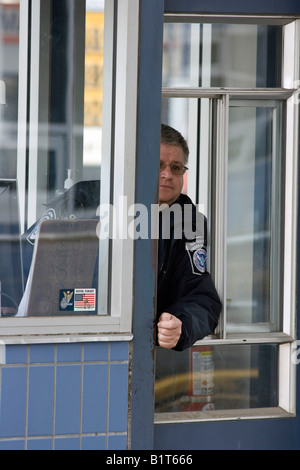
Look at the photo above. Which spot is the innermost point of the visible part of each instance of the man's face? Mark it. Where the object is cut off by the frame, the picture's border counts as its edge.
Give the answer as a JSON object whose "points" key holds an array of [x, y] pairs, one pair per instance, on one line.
{"points": [[170, 185]]}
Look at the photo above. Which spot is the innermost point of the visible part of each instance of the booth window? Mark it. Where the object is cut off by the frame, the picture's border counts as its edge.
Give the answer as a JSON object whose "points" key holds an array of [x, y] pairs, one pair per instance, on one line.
{"points": [[230, 87], [59, 96]]}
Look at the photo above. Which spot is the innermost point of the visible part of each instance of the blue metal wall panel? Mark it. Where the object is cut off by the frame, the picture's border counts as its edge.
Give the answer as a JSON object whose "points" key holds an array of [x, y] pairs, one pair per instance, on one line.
{"points": [[145, 259], [277, 7], [275, 434]]}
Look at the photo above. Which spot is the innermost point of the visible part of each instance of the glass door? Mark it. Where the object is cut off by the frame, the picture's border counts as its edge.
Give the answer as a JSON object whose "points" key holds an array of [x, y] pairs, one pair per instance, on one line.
{"points": [[226, 89]]}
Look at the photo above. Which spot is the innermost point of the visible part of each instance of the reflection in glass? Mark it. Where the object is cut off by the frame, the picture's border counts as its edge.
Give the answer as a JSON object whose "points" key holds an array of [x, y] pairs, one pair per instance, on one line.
{"points": [[207, 378], [9, 71], [60, 179], [253, 292], [193, 118], [176, 54], [11, 276], [222, 55], [93, 89]]}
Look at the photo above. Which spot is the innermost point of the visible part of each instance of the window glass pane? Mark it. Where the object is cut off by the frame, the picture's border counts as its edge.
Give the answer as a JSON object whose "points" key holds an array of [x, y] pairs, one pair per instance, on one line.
{"points": [[58, 192], [176, 54], [207, 378], [9, 70], [253, 238], [175, 113], [193, 118], [228, 377], [222, 55], [10, 253]]}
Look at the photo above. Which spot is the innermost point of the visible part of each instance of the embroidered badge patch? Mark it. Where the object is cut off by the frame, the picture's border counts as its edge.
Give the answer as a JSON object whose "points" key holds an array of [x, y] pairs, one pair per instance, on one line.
{"points": [[197, 254], [199, 260]]}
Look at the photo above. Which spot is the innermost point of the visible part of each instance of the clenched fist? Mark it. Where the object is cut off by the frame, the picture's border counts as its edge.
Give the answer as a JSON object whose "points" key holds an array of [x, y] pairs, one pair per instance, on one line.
{"points": [[169, 330]]}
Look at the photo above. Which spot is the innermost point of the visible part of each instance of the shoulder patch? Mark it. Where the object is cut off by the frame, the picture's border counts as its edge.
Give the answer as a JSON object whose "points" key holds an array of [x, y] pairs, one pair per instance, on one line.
{"points": [[197, 254], [199, 260]]}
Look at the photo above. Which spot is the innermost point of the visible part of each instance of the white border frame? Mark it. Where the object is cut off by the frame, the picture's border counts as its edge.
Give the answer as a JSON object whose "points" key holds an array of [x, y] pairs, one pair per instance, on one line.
{"points": [[22, 109], [285, 338], [117, 325]]}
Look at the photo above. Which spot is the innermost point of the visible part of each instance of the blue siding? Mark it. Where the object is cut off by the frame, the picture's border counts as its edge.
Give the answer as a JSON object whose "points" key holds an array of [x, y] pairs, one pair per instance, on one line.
{"points": [[13, 401], [287, 7], [40, 400], [275, 434], [65, 396]]}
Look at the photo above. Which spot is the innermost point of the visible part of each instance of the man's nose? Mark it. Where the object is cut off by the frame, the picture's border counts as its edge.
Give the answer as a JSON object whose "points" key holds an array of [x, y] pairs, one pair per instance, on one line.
{"points": [[166, 172]]}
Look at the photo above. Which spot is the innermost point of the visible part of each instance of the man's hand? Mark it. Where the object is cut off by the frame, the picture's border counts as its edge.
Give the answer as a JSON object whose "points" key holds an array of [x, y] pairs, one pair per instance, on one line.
{"points": [[169, 330]]}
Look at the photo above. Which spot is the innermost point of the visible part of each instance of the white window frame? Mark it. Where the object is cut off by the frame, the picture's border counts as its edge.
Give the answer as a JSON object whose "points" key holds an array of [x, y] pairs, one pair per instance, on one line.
{"points": [[287, 337], [117, 324]]}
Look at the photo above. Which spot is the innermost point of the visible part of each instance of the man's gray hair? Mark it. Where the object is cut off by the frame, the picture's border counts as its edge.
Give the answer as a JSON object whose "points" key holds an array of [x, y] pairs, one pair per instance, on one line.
{"points": [[171, 136]]}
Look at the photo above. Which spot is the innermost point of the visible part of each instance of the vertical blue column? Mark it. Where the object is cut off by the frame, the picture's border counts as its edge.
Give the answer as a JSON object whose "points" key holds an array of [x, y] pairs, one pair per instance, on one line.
{"points": [[148, 146]]}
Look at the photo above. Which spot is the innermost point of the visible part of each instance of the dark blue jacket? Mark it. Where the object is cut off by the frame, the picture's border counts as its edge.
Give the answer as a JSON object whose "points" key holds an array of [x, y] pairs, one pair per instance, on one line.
{"points": [[185, 288]]}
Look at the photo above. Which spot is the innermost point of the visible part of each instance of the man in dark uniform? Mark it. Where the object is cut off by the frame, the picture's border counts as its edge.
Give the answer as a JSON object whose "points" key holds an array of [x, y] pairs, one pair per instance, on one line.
{"points": [[188, 306]]}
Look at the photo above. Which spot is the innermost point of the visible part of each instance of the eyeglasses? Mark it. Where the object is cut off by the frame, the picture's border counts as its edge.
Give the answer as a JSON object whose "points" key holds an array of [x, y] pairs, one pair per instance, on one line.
{"points": [[176, 168]]}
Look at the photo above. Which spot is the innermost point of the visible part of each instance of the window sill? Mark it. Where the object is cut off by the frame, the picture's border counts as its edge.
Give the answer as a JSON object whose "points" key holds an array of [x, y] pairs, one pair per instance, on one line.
{"points": [[64, 329], [221, 415], [64, 338], [244, 338]]}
